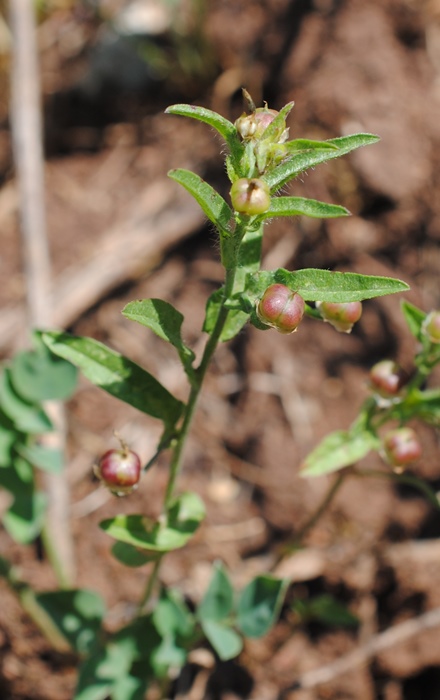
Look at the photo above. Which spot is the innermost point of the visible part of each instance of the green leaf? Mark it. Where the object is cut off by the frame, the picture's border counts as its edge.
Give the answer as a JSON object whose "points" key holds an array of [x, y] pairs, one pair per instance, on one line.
{"points": [[27, 417], [39, 375], [224, 640], [308, 145], [8, 436], [323, 285], [169, 654], [48, 458], [117, 375], [212, 204], [129, 687], [218, 600], [414, 318], [299, 206], [103, 668], [235, 320], [130, 556], [277, 125], [18, 478], [421, 404], [164, 320], [304, 160], [25, 517], [184, 517], [77, 614], [338, 450], [259, 605], [326, 610], [225, 128], [171, 617]]}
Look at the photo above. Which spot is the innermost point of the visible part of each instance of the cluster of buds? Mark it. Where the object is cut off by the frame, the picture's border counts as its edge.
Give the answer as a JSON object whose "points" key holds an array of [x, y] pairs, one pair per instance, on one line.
{"points": [[401, 447], [342, 315], [119, 470], [281, 308], [264, 139]]}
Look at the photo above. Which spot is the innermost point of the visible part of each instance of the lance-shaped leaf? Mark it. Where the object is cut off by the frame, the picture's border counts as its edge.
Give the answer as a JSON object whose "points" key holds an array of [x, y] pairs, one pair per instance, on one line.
{"points": [[299, 206], [27, 417], [164, 320], [278, 124], [323, 285], [338, 450], [116, 374], [218, 600], [223, 126], [212, 204], [308, 145], [226, 642], [304, 160]]}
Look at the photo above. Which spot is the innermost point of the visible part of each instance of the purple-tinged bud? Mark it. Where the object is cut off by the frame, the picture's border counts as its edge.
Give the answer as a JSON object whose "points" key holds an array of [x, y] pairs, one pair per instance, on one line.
{"points": [[119, 470], [281, 308], [387, 378], [401, 447], [250, 197], [431, 326], [341, 315], [253, 126]]}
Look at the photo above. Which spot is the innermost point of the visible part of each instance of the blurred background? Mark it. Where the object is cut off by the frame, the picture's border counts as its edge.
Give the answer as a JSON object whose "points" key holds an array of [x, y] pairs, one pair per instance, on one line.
{"points": [[119, 230]]}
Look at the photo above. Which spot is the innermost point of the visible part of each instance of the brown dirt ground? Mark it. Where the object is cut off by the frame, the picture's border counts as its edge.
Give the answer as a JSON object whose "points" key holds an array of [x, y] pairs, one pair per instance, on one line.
{"points": [[349, 66]]}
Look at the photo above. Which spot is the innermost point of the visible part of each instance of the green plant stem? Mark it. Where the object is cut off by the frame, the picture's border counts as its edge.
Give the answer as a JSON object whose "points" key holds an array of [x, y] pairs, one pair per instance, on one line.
{"points": [[321, 509], [150, 585], [180, 441], [63, 579], [196, 388]]}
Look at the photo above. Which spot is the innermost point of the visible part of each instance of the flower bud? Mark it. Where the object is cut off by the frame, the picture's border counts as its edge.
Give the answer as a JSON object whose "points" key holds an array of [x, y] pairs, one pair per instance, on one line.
{"points": [[341, 315], [250, 197], [281, 308], [401, 446], [431, 326], [387, 378], [252, 126], [119, 470]]}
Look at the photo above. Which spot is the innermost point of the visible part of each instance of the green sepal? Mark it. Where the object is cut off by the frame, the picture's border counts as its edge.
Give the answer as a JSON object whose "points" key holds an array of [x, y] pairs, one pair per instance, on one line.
{"points": [[300, 206], [259, 605], [164, 320], [211, 203], [338, 450], [304, 160], [184, 517], [117, 375], [320, 285]]}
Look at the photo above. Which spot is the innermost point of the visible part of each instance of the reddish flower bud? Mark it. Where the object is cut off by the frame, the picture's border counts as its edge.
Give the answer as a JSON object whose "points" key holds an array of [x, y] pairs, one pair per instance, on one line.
{"points": [[387, 378], [341, 315], [281, 308], [401, 446], [250, 197], [431, 326], [119, 470]]}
